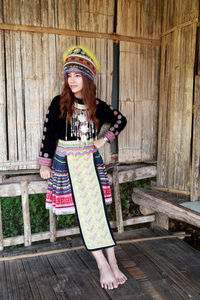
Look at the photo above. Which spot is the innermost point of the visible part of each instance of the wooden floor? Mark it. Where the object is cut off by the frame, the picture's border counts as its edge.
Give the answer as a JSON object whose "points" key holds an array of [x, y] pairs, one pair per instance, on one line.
{"points": [[156, 269]]}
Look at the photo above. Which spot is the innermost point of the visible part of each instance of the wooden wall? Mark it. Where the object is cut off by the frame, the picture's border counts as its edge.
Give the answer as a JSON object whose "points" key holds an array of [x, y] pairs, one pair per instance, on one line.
{"points": [[139, 77], [31, 71], [179, 28]]}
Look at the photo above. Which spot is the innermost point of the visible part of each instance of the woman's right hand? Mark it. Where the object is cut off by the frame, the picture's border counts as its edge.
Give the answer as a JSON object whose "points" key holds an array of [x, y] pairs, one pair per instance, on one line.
{"points": [[45, 172]]}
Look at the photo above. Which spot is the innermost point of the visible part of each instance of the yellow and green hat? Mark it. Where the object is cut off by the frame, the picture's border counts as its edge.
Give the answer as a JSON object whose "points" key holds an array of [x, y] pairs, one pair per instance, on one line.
{"points": [[80, 59]]}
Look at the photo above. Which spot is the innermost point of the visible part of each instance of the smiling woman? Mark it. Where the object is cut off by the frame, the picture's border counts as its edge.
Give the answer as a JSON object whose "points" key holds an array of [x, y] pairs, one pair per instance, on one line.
{"points": [[69, 157]]}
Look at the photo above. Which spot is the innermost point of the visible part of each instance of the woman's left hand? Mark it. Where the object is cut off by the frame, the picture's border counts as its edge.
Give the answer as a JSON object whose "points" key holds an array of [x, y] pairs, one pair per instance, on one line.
{"points": [[99, 143]]}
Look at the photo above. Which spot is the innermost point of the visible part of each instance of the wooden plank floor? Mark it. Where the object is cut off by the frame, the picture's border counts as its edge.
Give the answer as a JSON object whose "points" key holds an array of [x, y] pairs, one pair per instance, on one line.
{"points": [[157, 269]]}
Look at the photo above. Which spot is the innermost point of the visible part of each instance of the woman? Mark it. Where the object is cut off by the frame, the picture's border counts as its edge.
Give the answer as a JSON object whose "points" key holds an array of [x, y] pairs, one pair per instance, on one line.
{"points": [[78, 180]]}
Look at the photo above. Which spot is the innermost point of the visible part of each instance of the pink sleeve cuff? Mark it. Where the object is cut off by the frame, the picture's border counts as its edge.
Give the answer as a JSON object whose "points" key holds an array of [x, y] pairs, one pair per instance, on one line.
{"points": [[44, 161], [110, 135]]}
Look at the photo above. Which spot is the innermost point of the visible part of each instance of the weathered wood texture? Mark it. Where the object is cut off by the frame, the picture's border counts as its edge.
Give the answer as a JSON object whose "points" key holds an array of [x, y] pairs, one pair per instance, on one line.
{"points": [[34, 69], [127, 173], [139, 79], [179, 12], [26, 213], [195, 172], [151, 275], [37, 186], [140, 18], [36, 237], [52, 226], [24, 187], [161, 220], [167, 204], [1, 230], [33, 64], [176, 95]]}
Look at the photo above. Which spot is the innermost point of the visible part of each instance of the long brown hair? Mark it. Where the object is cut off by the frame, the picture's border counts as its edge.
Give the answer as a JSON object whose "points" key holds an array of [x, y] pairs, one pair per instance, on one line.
{"points": [[89, 99]]}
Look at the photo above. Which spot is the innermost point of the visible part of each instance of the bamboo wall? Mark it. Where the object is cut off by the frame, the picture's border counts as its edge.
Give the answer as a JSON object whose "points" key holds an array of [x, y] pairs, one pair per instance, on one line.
{"points": [[139, 77], [31, 69], [179, 28]]}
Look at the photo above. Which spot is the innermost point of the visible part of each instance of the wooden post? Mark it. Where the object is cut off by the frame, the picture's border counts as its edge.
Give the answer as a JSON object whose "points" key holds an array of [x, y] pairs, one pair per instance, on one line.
{"points": [[26, 213], [1, 230], [161, 220], [52, 226], [195, 174], [118, 206], [2, 178]]}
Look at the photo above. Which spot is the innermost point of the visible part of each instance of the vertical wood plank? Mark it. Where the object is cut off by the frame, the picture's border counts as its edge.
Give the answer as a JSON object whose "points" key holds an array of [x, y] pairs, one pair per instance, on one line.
{"points": [[19, 97], [138, 93], [195, 173], [30, 12], [175, 110], [1, 230], [118, 206], [139, 18], [11, 103], [11, 11], [177, 12], [52, 225], [3, 141], [26, 213]]}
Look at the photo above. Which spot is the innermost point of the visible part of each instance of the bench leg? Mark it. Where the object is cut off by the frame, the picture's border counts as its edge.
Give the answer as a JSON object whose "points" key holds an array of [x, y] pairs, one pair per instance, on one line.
{"points": [[162, 221]]}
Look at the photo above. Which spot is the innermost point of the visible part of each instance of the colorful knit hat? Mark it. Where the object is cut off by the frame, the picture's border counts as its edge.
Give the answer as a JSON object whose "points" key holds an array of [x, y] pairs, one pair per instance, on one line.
{"points": [[78, 58]]}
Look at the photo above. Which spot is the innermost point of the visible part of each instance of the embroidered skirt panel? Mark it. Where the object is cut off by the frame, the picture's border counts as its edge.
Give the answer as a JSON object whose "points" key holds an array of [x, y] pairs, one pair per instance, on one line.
{"points": [[80, 184]]}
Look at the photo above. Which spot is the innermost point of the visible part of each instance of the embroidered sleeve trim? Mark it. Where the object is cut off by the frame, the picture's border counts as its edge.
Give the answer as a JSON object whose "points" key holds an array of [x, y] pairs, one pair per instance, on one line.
{"points": [[44, 161], [110, 135]]}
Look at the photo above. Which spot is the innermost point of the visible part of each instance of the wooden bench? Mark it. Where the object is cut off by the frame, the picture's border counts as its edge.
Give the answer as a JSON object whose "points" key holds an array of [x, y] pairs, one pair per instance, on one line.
{"points": [[165, 205], [26, 184]]}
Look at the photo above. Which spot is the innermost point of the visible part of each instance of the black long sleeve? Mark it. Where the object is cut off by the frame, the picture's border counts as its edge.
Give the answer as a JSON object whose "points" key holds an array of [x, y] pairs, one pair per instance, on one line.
{"points": [[108, 114], [55, 127]]}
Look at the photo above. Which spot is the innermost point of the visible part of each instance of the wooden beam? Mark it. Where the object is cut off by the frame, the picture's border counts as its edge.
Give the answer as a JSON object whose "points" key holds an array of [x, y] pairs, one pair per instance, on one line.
{"points": [[126, 173], [14, 189], [26, 213], [180, 26], [18, 179], [141, 172], [41, 236], [80, 33], [195, 173], [139, 220]]}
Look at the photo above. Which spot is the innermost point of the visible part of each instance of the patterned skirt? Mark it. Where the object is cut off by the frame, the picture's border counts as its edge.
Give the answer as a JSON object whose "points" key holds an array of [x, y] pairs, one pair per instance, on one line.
{"points": [[80, 184]]}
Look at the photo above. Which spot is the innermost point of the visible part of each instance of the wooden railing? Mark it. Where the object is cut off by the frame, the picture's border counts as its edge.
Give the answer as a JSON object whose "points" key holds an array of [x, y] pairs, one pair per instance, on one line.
{"points": [[26, 185]]}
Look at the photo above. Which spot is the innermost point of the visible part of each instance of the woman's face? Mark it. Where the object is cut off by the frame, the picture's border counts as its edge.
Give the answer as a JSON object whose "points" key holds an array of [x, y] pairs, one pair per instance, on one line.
{"points": [[75, 82]]}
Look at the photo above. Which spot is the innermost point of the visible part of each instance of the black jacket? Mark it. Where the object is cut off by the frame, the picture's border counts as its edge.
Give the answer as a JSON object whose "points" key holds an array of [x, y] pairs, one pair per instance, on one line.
{"points": [[55, 127]]}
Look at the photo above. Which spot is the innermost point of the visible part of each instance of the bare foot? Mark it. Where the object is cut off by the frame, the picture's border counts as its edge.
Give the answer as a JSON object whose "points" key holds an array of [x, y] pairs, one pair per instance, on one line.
{"points": [[121, 278], [107, 278]]}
